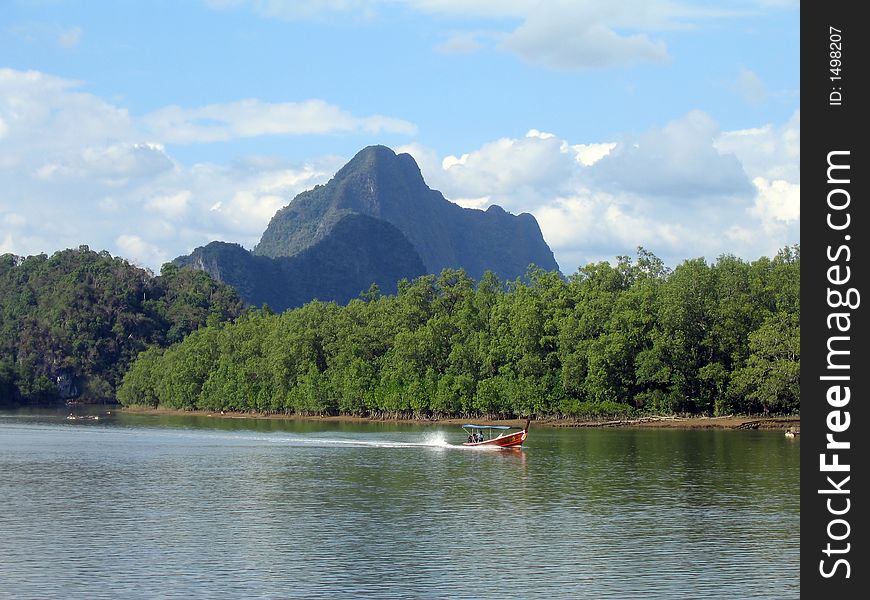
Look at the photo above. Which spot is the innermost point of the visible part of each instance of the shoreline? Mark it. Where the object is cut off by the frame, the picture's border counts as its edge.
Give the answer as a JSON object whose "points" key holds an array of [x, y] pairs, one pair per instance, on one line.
{"points": [[660, 422]]}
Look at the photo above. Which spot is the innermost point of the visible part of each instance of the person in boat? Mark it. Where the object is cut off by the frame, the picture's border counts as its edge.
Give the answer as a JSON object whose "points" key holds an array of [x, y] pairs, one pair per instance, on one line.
{"points": [[471, 438]]}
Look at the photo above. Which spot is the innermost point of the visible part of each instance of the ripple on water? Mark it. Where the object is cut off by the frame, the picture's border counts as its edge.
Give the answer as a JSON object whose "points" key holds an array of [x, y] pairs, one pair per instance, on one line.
{"points": [[141, 512]]}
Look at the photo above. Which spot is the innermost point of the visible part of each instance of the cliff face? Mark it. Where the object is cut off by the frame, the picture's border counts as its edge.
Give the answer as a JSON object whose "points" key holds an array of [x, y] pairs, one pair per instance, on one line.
{"points": [[390, 187], [376, 221], [357, 252]]}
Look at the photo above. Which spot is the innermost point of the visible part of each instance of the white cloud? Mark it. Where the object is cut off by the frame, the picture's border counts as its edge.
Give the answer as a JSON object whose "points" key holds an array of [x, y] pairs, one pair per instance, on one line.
{"points": [[22, 244], [557, 34], [45, 115], [768, 151], [252, 118], [247, 211], [589, 154], [681, 190], [774, 217], [139, 251], [594, 225], [544, 135], [571, 35], [81, 170], [478, 203], [511, 172], [49, 113], [561, 39], [114, 164], [678, 161], [240, 200], [172, 205], [777, 201]]}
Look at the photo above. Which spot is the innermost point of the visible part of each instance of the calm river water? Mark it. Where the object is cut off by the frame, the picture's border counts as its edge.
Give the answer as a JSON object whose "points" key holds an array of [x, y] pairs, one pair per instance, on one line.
{"points": [[135, 506]]}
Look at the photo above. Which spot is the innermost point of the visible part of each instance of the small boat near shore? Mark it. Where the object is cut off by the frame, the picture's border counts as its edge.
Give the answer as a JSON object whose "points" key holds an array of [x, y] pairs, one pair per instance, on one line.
{"points": [[500, 436], [72, 417]]}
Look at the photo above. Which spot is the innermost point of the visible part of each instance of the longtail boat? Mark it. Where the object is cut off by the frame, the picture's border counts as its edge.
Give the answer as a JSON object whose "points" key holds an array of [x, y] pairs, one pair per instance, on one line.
{"points": [[501, 436]]}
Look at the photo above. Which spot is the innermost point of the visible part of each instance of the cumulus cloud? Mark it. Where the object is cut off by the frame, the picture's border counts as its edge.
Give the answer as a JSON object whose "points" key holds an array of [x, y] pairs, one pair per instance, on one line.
{"points": [[682, 190], [774, 217], [777, 201], [589, 154], [191, 207], [171, 205], [770, 155], [510, 172], [242, 198], [157, 217], [114, 164], [678, 160], [77, 169], [594, 225], [45, 115], [770, 151]]}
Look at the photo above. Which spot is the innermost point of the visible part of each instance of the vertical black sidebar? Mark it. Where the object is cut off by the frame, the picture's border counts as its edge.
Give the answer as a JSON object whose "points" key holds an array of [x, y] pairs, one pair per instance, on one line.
{"points": [[835, 301]]}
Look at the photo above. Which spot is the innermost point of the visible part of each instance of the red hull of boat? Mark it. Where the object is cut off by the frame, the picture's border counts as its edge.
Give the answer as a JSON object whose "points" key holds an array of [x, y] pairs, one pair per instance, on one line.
{"points": [[505, 441]]}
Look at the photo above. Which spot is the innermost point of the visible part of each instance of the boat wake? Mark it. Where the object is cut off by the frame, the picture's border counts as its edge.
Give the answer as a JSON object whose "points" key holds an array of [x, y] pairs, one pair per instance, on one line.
{"points": [[432, 440]]}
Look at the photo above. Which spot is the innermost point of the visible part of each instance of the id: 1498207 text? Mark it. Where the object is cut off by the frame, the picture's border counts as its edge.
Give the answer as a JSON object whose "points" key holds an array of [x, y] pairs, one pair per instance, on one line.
{"points": [[835, 45]]}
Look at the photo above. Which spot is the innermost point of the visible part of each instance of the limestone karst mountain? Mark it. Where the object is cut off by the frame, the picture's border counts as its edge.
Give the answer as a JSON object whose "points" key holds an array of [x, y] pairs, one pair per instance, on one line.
{"points": [[375, 221]]}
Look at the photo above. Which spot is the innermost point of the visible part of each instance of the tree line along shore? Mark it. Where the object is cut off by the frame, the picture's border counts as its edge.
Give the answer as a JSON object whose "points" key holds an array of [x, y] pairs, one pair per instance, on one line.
{"points": [[609, 341], [755, 422]]}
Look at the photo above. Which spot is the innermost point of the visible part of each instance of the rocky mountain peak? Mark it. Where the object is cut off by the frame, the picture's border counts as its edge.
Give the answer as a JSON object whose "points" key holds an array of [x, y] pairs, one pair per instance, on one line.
{"points": [[381, 194]]}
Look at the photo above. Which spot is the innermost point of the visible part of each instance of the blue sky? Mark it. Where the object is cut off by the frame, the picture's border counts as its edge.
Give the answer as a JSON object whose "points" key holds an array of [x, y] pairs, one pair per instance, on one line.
{"points": [[150, 128]]}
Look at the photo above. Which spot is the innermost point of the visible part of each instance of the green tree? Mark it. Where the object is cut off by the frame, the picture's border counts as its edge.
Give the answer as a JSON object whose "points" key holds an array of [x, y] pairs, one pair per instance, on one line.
{"points": [[608, 341], [770, 381]]}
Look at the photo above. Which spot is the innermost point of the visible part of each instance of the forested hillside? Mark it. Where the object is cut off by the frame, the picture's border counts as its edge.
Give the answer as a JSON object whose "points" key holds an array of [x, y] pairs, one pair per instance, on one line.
{"points": [[357, 252], [704, 339], [71, 324]]}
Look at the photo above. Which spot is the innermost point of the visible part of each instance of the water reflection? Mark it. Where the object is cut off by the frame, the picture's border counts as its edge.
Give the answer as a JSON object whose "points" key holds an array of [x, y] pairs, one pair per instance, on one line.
{"points": [[172, 506]]}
